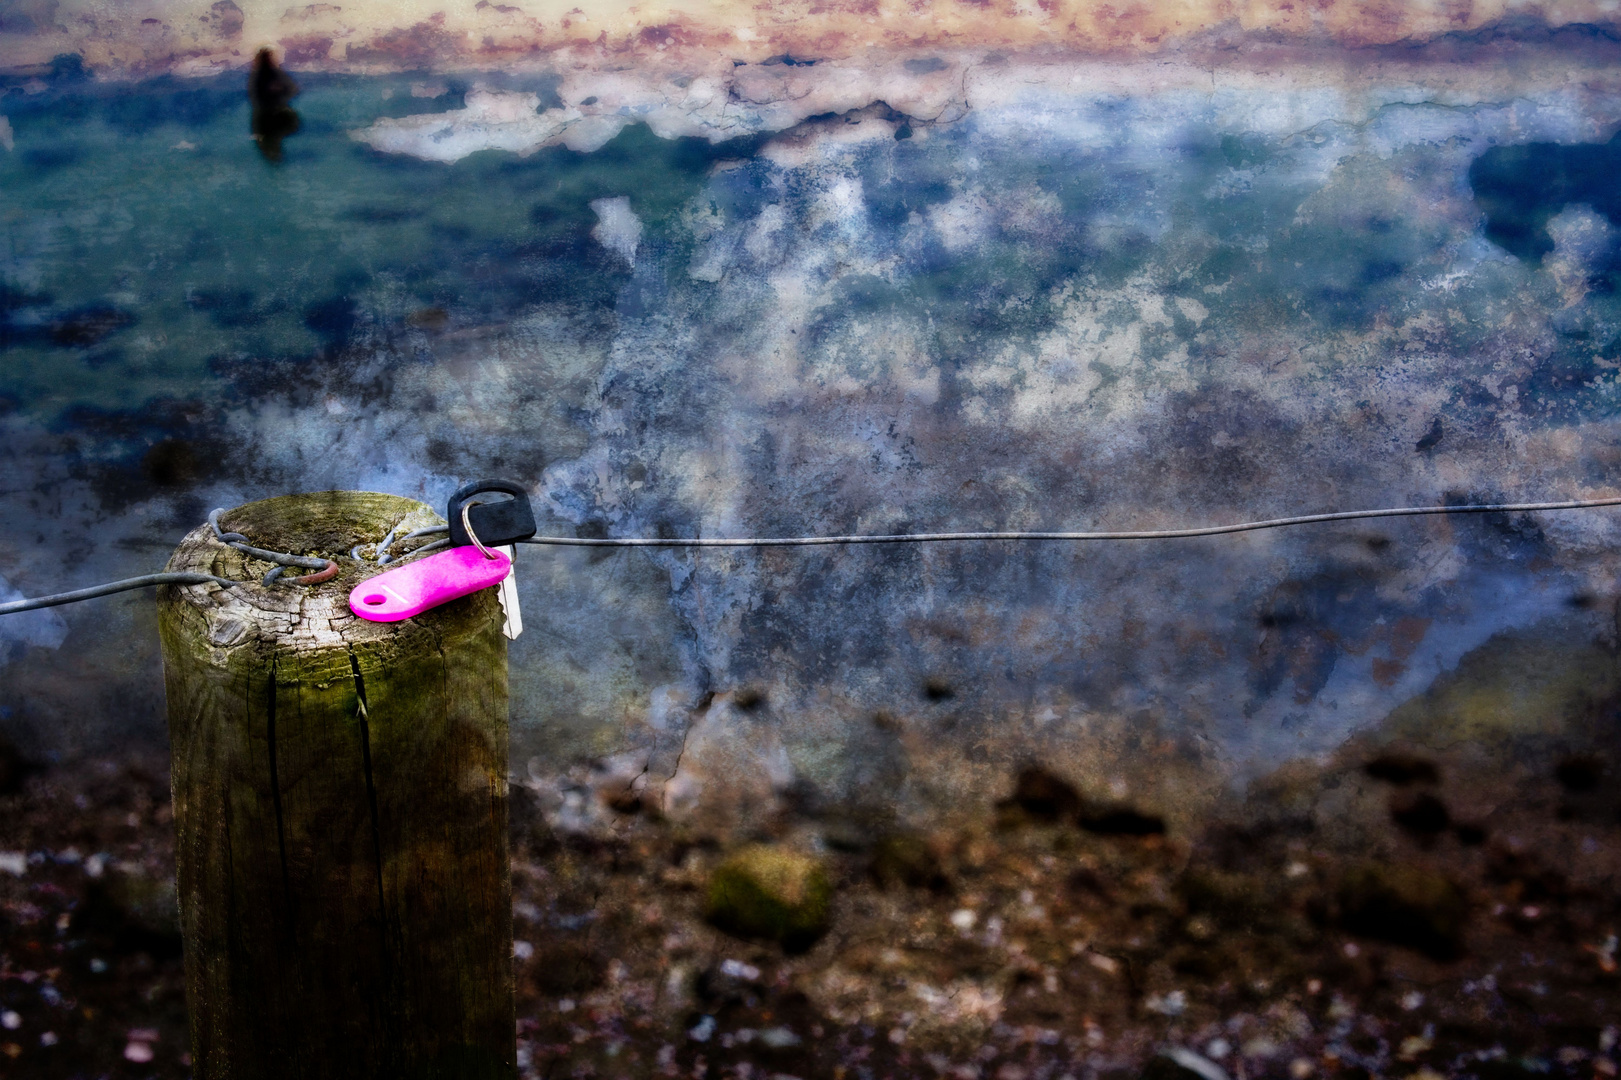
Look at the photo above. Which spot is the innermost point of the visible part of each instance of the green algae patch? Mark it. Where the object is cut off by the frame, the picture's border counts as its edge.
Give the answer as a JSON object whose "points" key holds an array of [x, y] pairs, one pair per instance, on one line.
{"points": [[765, 892], [1550, 681]]}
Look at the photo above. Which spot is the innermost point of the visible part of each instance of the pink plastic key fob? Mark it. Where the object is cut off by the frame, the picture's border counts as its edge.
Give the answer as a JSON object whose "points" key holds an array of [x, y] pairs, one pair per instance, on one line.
{"points": [[427, 583]]}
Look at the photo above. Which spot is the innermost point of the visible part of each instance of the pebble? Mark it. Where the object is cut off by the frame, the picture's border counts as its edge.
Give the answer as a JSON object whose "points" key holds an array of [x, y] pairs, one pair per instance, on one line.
{"points": [[737, 969], [779, 1038], [138, 1052], [1174, 1003], [1260, 1047], [1412, 1046], [1189, 1065], [10, 1020]]}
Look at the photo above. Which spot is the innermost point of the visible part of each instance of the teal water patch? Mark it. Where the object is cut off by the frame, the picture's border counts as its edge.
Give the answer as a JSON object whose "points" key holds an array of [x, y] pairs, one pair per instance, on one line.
{"points": [[1521, 187], [149, 247], [151, 253]]}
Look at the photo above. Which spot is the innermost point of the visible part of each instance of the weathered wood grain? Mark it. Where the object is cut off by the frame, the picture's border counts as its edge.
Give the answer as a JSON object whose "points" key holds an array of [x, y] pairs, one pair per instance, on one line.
{"points": [[341, 802]]}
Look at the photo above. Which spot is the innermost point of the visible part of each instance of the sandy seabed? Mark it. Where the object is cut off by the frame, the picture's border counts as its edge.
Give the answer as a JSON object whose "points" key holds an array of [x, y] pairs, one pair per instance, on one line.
{"points": [[1015, 944]]}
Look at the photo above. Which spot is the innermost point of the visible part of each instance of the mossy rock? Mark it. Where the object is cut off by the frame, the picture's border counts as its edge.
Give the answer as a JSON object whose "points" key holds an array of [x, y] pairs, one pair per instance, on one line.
{"points": [[1405, 905], [1549, 681], [766, 892]]}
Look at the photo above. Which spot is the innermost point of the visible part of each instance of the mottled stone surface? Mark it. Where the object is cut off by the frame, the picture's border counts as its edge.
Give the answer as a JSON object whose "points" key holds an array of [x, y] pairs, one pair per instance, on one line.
{"points": [[880, 293]]}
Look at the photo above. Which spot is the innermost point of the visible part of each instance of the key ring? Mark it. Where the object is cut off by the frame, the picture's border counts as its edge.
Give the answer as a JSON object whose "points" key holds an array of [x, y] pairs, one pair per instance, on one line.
{"points": [[468, 525]]}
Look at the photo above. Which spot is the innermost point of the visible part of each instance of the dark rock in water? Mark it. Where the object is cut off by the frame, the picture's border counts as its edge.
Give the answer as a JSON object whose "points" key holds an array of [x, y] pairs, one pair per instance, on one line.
{"points": [[1403, 769], [748, 698], [907, 860], [567, 967], [1176, 1063], [1045, 796], [1528, 876], [627, 801], [852, 831], [1120, 821], [1405, 905], [1431, 438], [1581, 772], [1235, 899], [766, 892], [269, 90], [171, 463], [528, 827], [432, 319], [88, 326], [13, 767], [1506, 1069], [132, 912], [1420, 813], [1088, 882]]}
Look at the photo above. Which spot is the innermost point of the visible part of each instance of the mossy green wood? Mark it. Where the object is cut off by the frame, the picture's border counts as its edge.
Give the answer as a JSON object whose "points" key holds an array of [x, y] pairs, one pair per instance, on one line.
{"points": [[341, 803]]}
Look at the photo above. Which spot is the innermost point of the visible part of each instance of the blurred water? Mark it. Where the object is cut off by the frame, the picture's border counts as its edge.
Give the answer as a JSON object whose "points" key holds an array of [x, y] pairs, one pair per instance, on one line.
{"points": [[1065, 310]]}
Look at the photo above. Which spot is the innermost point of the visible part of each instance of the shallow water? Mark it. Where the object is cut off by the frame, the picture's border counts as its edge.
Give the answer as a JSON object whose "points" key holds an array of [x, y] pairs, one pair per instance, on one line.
{"points": [[1065, 309]]}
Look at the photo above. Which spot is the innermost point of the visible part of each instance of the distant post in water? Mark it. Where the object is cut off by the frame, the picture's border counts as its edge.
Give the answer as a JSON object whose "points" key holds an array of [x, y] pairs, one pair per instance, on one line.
{"points": [[340, 794]]}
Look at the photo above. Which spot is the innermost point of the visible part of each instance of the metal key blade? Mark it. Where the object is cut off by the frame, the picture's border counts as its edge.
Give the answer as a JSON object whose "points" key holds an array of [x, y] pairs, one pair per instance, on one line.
{"points": [[512, 617]]}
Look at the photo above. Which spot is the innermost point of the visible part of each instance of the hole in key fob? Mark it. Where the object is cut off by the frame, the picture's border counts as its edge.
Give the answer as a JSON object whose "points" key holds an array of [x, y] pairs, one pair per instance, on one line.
{"points": [[426, 583]]}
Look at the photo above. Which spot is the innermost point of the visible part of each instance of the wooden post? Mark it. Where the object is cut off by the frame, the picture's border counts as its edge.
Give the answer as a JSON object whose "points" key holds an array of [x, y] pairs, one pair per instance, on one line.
{"points": [[340, 793]]}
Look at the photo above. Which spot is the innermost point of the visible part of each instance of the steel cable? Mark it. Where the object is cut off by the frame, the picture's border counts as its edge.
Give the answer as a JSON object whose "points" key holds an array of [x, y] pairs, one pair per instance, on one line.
{"points": [[1148, 534], [328, 567], [325, 568], [113, 587]]}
